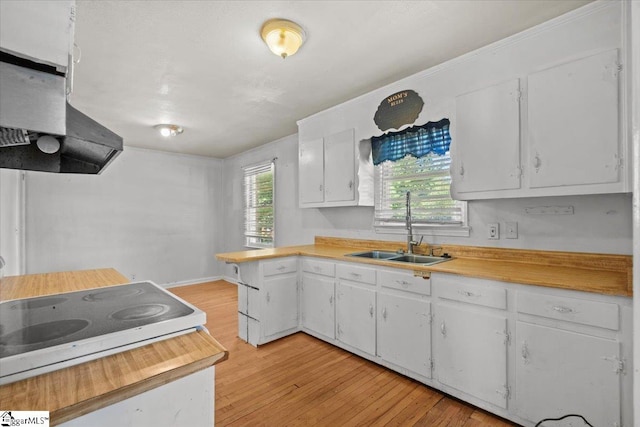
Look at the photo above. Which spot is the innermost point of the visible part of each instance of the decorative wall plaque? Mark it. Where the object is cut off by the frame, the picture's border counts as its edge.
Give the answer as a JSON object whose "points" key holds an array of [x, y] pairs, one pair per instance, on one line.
{"points": [[398, 109]]}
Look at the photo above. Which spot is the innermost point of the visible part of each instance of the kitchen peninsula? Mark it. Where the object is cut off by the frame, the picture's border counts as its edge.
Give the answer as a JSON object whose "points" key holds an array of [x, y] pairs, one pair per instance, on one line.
{"points": [[122, 386]]}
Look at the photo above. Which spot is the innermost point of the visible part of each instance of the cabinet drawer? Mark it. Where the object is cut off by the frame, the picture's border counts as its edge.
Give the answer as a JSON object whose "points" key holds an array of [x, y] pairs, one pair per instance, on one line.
{"points": [[473, 294], [592, 313], [356, 273], [404, 281], [280, 266], [319, 267]]}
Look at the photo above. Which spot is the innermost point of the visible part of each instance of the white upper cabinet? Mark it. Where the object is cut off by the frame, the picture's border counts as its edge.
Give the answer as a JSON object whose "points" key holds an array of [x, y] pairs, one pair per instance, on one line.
{"points": [[41, 31], [339, 175], [311, 171], [333, 169], [573, 132], [569, 142], [487, 139]]}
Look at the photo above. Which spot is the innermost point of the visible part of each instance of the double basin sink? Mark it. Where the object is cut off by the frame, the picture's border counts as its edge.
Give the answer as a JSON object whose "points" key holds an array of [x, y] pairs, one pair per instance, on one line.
{"points": [[399, 257]]}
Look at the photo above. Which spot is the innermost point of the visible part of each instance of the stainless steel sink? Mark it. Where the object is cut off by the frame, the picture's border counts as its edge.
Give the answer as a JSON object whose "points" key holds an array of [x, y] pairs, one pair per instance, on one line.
{"points": [[396, 257], [375, 254]]}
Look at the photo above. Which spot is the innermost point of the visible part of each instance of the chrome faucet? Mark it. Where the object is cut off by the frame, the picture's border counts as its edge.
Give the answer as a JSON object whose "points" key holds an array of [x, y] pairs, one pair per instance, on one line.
{"points": [[410, 242]]}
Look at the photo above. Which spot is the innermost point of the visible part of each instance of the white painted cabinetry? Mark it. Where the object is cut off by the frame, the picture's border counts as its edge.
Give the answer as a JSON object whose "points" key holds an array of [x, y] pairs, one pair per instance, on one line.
{"points": [[471, 337], [356, 307], [268, 300], [487, 139], [573, 123], [311, 171], [523, 352], [570, 134], [317, 298], [571, 364], [471, 352], [333, 169], [404, 321], [38, 31], [327, 170]]}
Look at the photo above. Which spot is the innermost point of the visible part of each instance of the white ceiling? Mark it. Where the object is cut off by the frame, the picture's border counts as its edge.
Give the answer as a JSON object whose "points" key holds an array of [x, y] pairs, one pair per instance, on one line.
{"points": [[202, 64]]}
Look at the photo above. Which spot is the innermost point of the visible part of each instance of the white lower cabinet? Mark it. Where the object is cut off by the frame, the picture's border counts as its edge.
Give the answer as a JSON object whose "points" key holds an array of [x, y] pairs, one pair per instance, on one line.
{"points": [[356, 316], [562, 372], [525, 353], [471, 352], [317, 301], [267, 300], [404, 332], [280, 304]]}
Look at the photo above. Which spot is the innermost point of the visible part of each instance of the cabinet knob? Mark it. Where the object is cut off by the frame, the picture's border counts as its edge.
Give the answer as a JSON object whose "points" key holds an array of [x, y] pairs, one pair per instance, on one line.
{"points": [[384, 313], [461, 170], [330, 299], [443, 329], [350, 185], [320, 188], [371, 310]]}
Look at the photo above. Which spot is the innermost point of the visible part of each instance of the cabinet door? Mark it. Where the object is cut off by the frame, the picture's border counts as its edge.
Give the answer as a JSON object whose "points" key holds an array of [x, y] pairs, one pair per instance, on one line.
{"points": [[317, 303], [339, 168], [311, 171], [487, 139], [561, 372], [471, 353], [39, 31], [404, 332], [355, 312], [280, 304], [573, 123]]}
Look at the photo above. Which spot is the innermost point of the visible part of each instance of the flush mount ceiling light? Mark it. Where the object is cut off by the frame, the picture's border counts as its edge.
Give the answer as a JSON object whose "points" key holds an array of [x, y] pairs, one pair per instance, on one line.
{"points": [[169, 130], [283, 37]]}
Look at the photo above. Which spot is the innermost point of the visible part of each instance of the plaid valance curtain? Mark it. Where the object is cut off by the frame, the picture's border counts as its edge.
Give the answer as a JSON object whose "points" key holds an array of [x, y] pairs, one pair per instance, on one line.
{"points": [[417, 141]]}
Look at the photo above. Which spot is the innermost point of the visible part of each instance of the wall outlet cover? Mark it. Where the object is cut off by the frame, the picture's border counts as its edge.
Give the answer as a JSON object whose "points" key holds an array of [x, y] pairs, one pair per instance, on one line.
{"points": [[493, 231], [511, 230]]}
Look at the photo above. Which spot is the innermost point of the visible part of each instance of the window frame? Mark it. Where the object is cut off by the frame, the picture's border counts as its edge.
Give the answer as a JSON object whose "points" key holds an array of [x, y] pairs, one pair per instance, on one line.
{"points": [[424, 228], [253, 171]]}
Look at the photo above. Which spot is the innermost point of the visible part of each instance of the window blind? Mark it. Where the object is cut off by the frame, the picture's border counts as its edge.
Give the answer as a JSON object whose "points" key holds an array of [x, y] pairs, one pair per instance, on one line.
{"points": [[429, 181], [259, 218]]}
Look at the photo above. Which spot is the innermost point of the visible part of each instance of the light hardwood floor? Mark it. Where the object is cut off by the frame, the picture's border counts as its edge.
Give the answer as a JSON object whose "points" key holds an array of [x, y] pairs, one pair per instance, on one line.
{"points": [[300, 380]]}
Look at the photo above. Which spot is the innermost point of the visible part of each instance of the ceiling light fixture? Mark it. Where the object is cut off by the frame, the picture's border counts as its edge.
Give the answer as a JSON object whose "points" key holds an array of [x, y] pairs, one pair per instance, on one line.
{"points": [[283, 37], [169, 130]]}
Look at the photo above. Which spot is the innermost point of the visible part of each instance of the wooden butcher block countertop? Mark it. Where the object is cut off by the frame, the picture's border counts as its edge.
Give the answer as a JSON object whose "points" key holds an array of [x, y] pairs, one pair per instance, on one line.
{"points": [[599, 273], [71, 392]]}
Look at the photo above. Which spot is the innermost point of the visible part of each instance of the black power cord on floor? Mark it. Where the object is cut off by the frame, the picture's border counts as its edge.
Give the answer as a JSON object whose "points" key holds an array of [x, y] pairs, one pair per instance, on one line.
{"points": [[563, 417]]}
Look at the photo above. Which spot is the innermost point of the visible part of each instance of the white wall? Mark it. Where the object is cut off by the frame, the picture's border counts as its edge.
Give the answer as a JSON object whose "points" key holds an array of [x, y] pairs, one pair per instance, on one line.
{"points": [[151, 215], [12, 221]]}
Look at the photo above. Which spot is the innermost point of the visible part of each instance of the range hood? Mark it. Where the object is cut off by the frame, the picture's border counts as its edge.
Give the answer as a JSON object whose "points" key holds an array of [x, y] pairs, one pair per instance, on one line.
{"points": [[36, 119]]}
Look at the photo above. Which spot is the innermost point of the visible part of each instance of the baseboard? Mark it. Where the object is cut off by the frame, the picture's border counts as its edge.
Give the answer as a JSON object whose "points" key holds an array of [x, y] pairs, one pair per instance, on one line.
{"points": [[230, 279], [193, 281]]}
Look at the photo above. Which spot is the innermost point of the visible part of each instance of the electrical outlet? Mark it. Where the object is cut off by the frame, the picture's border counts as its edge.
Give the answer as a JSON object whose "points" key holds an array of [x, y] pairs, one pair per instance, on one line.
{"points": [[511, 230], [493, 231]]}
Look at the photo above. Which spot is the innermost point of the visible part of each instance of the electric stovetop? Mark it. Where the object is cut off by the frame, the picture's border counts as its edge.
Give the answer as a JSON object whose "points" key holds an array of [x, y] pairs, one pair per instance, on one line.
{"points": [[46, 333]]}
